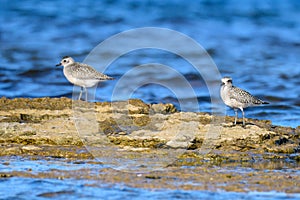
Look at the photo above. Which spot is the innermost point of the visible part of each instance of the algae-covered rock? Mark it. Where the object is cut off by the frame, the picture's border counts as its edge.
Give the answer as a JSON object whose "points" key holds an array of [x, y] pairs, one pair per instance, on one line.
{"points": [[135, 124], [36, 103], [163, 108]]}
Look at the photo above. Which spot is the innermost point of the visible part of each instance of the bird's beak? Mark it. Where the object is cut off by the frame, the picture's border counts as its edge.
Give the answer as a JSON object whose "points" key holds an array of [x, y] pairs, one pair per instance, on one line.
{"points": [[59, 64]]}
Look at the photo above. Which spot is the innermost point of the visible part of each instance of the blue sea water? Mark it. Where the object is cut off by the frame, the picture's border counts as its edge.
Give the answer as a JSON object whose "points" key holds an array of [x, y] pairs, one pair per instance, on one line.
{"points": [[75, 189], [255, 42]]}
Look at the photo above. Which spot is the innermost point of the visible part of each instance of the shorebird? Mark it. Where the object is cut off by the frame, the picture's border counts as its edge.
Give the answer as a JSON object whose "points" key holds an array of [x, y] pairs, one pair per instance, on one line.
{"points": [[237, 98], [81, 74]]}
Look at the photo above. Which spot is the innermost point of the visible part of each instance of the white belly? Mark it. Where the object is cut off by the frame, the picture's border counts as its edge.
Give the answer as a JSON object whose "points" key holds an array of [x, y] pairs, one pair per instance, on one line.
{"points": [[224, 93], [81, 82]]}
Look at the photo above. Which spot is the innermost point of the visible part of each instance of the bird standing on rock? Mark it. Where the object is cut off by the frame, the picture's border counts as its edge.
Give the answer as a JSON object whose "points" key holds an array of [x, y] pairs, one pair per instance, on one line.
{"points": [[81, 74], [237, 98]]}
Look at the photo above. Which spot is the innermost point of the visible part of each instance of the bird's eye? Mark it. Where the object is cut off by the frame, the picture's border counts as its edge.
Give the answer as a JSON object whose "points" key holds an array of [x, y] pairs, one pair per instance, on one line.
{"points": [[64, 60]]}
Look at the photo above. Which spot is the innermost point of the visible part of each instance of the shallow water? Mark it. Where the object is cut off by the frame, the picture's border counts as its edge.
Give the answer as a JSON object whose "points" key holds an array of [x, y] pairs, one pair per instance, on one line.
{"points": [[81, 188], [75, 189], [257, 43]]}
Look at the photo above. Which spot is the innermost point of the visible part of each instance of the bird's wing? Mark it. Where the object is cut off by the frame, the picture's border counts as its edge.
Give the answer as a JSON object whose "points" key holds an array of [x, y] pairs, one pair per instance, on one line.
{"points": [[84, 71], [243, 96]]}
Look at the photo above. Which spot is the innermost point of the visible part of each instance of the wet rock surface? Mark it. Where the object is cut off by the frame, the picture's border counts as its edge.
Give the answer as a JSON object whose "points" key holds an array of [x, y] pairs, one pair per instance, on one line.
{"points": [[76, 130], [133, 123]]}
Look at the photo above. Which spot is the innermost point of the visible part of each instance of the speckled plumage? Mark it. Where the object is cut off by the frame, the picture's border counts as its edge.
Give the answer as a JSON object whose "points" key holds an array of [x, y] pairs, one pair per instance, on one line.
{"points": [[84, 72], [81, 74], [237, 98]]}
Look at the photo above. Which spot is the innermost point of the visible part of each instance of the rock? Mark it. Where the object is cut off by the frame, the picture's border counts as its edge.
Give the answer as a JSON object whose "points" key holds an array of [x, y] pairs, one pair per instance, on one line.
{"points": [[133, 125], [31, 148], [163, 108], [297, 131]]}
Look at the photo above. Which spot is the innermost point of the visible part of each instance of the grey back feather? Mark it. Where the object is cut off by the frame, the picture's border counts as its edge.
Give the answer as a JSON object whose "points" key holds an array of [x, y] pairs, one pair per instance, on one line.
{"points": [[244, 96], [84, 71]]}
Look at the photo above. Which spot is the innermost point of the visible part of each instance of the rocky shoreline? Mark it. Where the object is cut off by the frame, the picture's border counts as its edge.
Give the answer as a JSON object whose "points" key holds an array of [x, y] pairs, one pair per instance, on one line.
{"points": [[28, 126], [199, 151]]}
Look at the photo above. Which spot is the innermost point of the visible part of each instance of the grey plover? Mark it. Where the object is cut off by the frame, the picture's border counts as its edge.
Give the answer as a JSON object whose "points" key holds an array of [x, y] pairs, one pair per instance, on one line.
{"points": [[81, 74], [237, 98]]}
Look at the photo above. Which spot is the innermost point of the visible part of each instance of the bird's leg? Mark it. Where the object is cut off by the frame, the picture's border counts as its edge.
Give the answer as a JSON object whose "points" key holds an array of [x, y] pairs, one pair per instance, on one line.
{"points": [[81, 89], [243, 116], [236, 116], [86, 94]]}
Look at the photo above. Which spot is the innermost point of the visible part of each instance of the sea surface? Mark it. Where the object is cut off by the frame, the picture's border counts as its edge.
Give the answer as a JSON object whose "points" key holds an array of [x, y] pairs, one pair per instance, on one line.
{"points": [[255, 42]]}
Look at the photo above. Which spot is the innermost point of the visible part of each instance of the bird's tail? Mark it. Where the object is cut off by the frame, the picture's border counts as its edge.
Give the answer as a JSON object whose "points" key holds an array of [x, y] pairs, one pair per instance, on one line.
{"points": [[259, 102], [105, 77], [110, 78]]}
